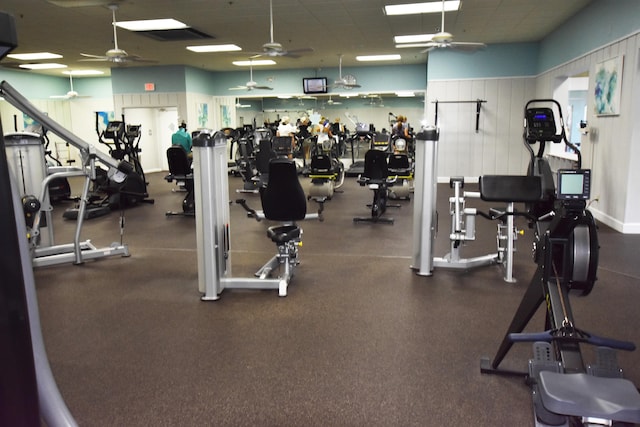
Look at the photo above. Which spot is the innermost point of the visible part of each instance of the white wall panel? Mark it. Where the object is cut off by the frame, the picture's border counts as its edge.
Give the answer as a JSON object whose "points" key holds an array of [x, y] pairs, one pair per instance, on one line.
{"points": [[609, 149], [497, 146]]}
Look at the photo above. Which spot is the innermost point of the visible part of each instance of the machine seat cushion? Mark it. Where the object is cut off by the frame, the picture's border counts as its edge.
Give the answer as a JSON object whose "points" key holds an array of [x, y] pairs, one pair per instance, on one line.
{"points": [[510, 188], [283, 233], [586, 395]]}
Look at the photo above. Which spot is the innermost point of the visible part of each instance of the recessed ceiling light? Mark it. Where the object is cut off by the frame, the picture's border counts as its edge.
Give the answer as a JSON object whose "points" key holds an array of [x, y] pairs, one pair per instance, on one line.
{"points": [[214, 48], [394, 57], [34, 56], [415, 8], [254, 62], [82, 72], [44, 66], [405, 94], [417, 38], [152, 25]]}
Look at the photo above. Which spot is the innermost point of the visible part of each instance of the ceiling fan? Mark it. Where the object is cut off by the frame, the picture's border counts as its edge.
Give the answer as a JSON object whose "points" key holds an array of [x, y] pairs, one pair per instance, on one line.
{"points": [[273, 48], [332, 102], [374, 101], [251, 84], [241, 105], [347, 81], [71, 94], [116, 54], [443, 39]]}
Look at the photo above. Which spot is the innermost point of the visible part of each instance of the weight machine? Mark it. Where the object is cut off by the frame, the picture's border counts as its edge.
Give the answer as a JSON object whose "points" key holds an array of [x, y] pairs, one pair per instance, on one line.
{"points": [[27, 151], [498, 188], [212, 220]]}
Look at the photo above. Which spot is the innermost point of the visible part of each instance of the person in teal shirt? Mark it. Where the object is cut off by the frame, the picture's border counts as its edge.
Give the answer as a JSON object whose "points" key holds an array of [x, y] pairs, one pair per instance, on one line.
{"points": [[182, 138]]}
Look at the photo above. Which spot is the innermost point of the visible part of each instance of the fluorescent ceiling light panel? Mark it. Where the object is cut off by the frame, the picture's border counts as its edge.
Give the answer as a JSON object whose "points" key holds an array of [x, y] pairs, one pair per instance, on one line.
{"points": [[214, 48], [34, 56], [405, 45], [364, 58], [417, 38], [82, 72], [405, 94], [256, 62], [152, 25], [416, 8], [45, 66]]}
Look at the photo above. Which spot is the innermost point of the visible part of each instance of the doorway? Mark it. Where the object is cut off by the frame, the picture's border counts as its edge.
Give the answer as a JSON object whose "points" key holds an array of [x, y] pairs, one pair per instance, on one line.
{"points": [[157, 126]]}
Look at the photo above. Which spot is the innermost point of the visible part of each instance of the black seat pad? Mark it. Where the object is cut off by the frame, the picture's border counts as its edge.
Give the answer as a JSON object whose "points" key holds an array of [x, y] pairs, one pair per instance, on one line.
{"points": [[283, 233]]}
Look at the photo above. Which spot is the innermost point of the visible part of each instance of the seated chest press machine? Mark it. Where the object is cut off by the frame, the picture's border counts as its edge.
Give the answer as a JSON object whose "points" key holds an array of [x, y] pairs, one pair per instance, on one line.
{"points": [[282, 200]]}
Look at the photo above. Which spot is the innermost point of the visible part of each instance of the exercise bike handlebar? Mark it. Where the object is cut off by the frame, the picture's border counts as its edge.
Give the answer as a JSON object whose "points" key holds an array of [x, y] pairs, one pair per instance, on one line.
{"points": [[580, 336]]}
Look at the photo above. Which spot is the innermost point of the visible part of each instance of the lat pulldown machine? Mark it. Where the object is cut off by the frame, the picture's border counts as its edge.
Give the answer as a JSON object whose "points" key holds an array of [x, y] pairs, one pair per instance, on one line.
{"points": [[44, 251]]}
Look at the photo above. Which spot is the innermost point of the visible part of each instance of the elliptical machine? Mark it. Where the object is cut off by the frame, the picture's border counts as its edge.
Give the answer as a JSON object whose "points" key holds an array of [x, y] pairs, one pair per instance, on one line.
{"points": [[123, 141]]}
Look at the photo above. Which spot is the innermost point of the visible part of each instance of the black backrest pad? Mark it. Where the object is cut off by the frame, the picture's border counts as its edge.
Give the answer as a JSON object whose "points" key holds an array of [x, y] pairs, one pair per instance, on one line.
{"points": [[283, 199], [510, 188], [375, 165], [178, 161]]}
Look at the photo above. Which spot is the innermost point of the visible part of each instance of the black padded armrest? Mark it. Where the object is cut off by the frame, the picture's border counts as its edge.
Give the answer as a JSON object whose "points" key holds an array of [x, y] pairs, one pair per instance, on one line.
{"points": [[510, 188]]}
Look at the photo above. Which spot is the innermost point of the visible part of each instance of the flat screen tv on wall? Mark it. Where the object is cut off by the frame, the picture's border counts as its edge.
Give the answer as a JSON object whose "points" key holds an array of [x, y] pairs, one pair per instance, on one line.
{"points": [[312, 85]]}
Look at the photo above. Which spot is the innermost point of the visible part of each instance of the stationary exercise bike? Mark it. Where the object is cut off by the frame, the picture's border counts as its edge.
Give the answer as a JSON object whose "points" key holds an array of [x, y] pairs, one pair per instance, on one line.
{"points": [[326, 169], [565, 391], [376, 177]]}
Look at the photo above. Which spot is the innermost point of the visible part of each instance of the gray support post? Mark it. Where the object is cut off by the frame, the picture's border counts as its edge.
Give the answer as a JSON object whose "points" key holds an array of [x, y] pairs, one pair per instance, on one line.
{"points": [[424, 202], [211, 186]]}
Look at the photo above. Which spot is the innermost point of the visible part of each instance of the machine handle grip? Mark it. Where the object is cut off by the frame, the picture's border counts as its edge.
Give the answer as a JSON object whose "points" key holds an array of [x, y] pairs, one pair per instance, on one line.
{"points": [[548, 336]]}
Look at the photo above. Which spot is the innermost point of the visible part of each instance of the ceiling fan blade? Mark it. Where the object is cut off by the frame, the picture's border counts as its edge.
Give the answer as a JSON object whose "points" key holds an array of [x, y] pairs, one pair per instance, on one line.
{"points": [[295, 53], [467, 46], [239, 88], [429, 47], [263, 87], [135, 58], [104, 59], [87, 55]]}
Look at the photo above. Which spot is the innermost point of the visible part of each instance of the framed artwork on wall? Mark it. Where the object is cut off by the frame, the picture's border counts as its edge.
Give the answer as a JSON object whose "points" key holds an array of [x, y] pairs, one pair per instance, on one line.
{"points": [[203, 115], [608, 85]]}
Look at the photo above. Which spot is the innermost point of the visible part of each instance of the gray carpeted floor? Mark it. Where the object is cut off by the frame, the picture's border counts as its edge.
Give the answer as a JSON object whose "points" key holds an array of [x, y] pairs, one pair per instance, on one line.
{"points": [[360, 340]]}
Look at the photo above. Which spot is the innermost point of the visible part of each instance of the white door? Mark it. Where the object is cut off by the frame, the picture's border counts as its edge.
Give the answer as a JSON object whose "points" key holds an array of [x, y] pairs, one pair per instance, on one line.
{"points": [[157, 126]]}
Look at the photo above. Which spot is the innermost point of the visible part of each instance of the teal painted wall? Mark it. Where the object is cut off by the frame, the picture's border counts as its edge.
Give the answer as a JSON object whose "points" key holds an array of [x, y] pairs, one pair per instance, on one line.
{"points": [[36, 86], [188, 79], [167, 79], [497, 60], [600, 23]]}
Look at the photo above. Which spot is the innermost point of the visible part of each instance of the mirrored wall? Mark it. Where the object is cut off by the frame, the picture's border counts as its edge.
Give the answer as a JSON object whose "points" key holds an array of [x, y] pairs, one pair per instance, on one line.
{"points": [[379, 109]]}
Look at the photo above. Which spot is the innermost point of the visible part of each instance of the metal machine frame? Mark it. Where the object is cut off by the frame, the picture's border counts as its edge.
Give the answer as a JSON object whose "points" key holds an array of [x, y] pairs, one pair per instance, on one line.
{"points": [[462, 219], [76, 252], [213, 231]]}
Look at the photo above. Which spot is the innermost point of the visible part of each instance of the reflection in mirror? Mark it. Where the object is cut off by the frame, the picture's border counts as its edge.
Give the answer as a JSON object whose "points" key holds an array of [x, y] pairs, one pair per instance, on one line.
{"points": [[375, 112], [379, 110]]}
